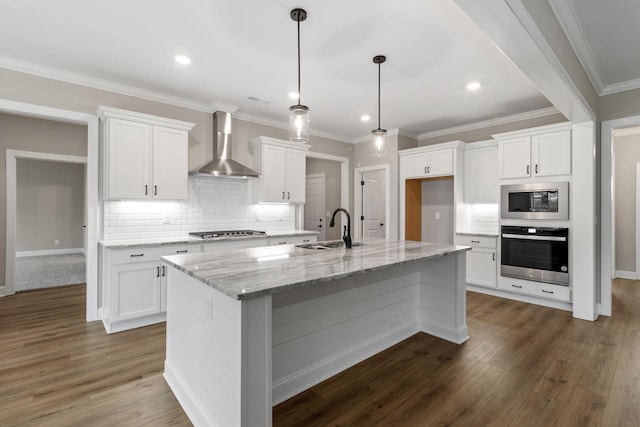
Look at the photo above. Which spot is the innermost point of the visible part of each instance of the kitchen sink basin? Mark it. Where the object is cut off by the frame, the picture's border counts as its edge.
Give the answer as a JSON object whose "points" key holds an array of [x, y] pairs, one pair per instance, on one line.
{"points": [[333, 244]]}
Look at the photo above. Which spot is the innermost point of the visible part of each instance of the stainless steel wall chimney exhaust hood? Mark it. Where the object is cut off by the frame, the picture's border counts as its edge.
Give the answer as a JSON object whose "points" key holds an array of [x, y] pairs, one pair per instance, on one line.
{"points": [[222, 164]]}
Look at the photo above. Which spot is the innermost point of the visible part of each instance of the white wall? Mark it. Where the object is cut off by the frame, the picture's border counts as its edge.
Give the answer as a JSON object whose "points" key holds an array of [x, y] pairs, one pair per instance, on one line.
{"points": [[437, 199], [49, 205]]}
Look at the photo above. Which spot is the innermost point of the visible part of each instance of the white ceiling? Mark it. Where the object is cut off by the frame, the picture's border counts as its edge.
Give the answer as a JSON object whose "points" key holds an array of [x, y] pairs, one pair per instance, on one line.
{"points": [[247, 48], [604, 35]]}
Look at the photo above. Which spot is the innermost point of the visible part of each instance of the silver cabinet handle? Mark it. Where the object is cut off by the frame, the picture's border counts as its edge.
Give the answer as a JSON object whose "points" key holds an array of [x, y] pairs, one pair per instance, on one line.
{"points": [[517, 286], [136, 255]]}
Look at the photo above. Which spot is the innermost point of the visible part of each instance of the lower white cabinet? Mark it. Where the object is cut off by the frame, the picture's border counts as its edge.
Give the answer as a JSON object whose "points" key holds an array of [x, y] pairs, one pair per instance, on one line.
{"points": [[134, 285], [291, 240], [537, 289], [482, 259]]}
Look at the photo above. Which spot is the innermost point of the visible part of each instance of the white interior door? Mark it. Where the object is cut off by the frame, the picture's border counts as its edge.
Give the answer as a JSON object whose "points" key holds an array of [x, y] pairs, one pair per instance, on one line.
{"points": [[314, 205], [374, 204]]}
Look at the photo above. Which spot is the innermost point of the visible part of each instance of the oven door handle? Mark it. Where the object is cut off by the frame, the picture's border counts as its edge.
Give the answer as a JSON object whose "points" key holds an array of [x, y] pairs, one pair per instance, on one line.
{"points": [[526, 237]]}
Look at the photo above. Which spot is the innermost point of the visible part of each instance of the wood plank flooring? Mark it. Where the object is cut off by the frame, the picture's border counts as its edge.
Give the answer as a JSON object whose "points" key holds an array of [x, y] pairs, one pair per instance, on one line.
{"points": [[524, 365]]}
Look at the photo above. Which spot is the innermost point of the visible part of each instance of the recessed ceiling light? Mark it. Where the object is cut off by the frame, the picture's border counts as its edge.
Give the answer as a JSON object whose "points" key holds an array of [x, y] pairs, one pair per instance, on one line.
{"points": [[183, 59], [365, 117], [473, 85], [293, 95]]}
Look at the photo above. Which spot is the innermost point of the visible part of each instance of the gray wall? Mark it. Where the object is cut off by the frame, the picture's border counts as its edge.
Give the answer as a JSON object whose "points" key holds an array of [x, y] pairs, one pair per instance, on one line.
{"points": [[437, 197], [49, 205], [332, 184], [29, 134], [627, 154]]}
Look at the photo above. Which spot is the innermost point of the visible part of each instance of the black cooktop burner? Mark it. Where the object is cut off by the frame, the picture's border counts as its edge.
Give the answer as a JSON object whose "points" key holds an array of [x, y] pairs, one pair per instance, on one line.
{"points": [[226, 233]]}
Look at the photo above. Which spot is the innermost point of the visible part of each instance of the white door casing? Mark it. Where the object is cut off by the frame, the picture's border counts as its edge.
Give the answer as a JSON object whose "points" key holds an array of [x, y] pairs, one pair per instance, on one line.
{"points": [[315, 205]]}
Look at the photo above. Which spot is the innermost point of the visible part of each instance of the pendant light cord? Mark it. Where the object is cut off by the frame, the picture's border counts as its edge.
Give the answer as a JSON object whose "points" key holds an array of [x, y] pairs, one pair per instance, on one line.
{"points": [[298, 61], [379, 63]]}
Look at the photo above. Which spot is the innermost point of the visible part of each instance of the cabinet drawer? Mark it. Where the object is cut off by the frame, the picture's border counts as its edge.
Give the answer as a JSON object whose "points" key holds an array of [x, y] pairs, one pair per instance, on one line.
{"points": [[291, 240], [476, 241], [149, 253], [542, 290]]}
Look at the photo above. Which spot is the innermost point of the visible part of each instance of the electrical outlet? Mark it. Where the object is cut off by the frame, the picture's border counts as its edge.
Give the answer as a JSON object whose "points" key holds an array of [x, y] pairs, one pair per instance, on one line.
{"points": [[437, 215], [166, 219], [57, 242]]}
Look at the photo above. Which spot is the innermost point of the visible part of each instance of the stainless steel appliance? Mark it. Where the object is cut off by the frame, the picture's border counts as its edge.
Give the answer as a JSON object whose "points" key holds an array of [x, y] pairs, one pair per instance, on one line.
{"points": [[540, 254], [541, 200], [210, 235]]}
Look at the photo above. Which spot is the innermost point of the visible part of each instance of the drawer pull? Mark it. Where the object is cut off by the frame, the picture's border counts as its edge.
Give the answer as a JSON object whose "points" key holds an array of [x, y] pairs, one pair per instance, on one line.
{"points": [[475, 241], [517, 286], [282, 243], [183, 251], [136, 255], [547, 292], [305, 241]]}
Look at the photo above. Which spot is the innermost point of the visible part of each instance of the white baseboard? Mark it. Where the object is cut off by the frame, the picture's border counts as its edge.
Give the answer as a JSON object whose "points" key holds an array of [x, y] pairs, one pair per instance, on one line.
{"points": [[446, 332], [50, 252], [621, 274]]}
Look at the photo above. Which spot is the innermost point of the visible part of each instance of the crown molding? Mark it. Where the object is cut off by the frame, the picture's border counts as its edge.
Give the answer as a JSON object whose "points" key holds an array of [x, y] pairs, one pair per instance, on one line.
{"points": [[568, 19], [106, 85], [241, 115], [621, 87], [488, 123]]}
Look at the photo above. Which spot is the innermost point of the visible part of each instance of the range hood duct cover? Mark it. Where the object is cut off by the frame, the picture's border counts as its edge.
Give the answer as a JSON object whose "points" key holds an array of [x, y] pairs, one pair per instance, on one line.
{"points": [[222, 164]]}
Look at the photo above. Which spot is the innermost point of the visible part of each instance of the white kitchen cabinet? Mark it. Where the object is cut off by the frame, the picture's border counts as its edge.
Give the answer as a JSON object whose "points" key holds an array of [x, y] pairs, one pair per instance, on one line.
{"points": [[430, 163], [536, 289], [134, 285], [145, 157], [291, 240], [282, 166], [482, 260], [481, 184], [537, 152]]}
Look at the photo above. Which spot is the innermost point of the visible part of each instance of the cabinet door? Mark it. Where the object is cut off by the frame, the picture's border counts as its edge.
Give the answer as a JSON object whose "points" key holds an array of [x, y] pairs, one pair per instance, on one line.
{"points": [[481, 267], [416, 165], [296, 175], [135, 290], [551, 153], [170, 164], [274, 173], [481, 175], [515, 158], [128, 160], [440, 162]]}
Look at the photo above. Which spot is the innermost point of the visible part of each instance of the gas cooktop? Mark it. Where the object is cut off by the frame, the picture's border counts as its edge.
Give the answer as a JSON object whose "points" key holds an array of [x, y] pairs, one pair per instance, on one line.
{"points": [[226, 233]]}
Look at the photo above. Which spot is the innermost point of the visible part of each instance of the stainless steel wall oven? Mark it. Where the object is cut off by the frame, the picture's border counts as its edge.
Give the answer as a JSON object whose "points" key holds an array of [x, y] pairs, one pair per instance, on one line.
{"points": [[535, 253]]}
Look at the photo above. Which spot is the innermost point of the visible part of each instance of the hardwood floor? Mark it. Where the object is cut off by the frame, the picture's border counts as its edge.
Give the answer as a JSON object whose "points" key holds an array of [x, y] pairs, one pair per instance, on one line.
{"points": [[524, 365]]}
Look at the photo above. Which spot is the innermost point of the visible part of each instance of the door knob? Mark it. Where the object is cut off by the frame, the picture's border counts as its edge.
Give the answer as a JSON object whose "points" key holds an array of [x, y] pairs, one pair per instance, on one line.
{"points": [[320, 226], [381, 224]]}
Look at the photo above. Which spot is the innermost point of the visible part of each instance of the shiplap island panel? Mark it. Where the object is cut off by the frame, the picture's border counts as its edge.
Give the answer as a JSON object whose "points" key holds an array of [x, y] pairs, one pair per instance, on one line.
{"points": [[254, 327]]}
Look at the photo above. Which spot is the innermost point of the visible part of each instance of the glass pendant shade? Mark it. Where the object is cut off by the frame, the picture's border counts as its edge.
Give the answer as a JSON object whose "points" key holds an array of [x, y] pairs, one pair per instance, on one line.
{"points": [[299, 123], [379, 146]]}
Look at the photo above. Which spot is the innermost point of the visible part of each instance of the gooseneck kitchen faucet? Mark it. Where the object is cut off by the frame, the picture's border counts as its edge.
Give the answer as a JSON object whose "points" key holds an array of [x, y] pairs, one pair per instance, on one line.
{"points": [[347, 229]]}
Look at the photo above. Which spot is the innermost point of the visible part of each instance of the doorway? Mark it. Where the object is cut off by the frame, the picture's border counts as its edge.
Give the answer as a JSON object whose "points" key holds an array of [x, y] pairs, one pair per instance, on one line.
{"points": [[372, 202], [314, 207], [50, 218], [92, 201]]}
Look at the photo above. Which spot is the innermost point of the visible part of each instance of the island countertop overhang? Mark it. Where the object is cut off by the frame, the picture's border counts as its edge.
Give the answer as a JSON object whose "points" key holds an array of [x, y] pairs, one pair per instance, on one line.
{"points": [[250, 273]]}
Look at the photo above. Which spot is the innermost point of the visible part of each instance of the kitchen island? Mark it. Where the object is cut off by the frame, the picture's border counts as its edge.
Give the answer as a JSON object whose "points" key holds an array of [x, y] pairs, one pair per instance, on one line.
{"points": [[250, 328]]}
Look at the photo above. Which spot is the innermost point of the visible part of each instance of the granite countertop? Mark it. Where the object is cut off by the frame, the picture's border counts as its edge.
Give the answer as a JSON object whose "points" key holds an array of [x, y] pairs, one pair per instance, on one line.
{"points": [[187, 240], [249, 273], [481, 233]]}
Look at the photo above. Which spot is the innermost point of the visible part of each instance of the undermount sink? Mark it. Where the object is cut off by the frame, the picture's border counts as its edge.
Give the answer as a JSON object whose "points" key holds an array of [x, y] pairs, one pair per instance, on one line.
{"points": [[333, 244]]}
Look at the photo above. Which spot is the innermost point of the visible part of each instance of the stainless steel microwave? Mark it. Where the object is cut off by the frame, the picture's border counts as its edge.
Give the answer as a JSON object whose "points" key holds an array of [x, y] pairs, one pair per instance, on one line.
{"points": [[541, 200]]}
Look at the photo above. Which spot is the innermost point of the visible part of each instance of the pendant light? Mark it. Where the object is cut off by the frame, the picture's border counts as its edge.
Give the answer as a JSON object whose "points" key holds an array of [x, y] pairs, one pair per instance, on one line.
{"points": [[299, 114], [379, 139]]}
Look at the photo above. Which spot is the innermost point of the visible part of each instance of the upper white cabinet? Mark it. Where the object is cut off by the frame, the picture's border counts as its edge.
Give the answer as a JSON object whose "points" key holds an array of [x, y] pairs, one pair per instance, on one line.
{"points": [[282, 165], [542, 151], [428, 163], [145, 157], [481, 172]]}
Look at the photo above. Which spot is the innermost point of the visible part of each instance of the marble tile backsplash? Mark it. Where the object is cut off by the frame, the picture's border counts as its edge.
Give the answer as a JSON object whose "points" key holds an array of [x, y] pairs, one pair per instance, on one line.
{"points": [[213, 204]]}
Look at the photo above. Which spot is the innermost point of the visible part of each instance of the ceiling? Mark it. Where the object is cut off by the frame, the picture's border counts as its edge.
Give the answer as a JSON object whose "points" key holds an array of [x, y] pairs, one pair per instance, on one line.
{"points": [[604, 35], [247, 49]]}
